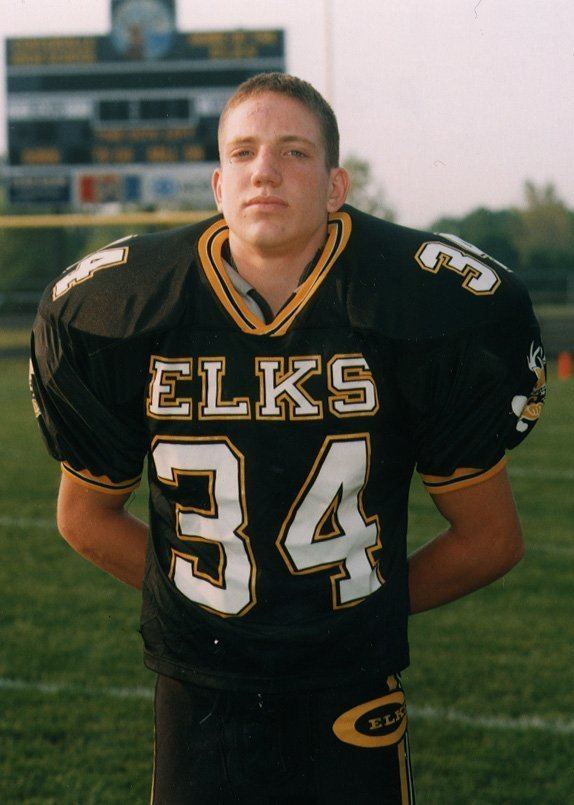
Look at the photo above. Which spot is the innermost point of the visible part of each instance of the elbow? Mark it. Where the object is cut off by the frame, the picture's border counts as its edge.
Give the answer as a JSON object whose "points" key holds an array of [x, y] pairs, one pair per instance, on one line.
{"points": [[70, 530], [512, 554], [74, 526], [519, 552]]}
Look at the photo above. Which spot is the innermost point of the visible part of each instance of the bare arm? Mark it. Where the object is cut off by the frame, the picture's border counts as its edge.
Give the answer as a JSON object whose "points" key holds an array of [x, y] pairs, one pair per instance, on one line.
{"points": [[482, 543], [98, 527]]}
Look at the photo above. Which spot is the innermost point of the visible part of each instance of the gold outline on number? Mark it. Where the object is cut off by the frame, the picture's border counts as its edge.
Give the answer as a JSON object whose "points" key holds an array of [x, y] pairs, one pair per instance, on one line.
{"points": [[239, 531], [468, 273], [89, 276], [342, 572]]}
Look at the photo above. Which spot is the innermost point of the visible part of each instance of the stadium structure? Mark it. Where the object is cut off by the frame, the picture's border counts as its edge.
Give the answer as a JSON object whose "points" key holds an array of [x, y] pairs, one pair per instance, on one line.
{"points": [[127, 118]]}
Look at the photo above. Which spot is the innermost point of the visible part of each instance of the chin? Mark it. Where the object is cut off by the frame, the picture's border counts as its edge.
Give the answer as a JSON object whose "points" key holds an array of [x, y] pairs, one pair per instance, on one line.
{"points": [[266, 235]]}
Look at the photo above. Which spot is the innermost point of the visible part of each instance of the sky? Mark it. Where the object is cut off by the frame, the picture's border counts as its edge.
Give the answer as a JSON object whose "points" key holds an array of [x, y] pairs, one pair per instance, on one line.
{"points": [[454, 103]]}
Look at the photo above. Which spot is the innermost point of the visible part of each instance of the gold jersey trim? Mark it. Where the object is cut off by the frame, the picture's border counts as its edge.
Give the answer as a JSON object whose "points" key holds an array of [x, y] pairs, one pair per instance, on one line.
{"points": [[461, 478], [210, 247], [101, 483]]}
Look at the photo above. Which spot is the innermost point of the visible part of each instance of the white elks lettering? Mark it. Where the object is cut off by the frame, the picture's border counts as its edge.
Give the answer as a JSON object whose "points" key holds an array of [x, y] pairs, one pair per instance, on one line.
{"points": [[352, 383], [162, 400], [347, 388], [280, 389], [213, 406]]}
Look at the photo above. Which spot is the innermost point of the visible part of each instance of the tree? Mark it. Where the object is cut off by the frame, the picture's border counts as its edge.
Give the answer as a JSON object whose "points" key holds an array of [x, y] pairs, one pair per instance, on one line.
{"points": [[544, 231], [492, 231], [365, 193], [536, 238]]}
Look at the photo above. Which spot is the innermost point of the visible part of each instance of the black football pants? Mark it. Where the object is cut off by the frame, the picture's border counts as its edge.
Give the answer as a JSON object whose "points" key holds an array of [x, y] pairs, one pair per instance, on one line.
{"points": [[344, 745]]}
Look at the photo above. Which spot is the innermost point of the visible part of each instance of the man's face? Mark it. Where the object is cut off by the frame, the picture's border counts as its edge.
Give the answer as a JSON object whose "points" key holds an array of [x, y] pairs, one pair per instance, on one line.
{"points": [[273, 185]]}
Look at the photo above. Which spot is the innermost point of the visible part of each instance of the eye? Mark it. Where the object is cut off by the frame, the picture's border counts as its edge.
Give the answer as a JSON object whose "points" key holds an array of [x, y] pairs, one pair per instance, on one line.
{"points": [[295, 152], [240, 153]]}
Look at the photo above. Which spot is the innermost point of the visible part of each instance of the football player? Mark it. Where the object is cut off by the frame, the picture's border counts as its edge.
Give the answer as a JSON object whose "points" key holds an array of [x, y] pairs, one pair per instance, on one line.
{"points": [[285, 366]]}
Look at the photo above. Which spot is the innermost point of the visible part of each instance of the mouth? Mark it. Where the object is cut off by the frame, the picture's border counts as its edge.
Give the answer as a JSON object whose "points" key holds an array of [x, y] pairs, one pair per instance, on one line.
{"points": [[266, 202]]}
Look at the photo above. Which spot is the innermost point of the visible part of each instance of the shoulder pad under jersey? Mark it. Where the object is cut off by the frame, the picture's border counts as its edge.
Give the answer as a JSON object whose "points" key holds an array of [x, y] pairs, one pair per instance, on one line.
{"points": [[130, 287], [412, 284]]}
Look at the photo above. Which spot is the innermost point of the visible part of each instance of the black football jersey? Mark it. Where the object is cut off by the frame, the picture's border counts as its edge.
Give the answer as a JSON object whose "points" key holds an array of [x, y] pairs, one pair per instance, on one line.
{"points": [[280, 454]]}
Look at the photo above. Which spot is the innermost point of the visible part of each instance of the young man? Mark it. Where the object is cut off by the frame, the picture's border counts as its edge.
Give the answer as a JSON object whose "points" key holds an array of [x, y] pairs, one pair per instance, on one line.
{"points": [[284, 367]]}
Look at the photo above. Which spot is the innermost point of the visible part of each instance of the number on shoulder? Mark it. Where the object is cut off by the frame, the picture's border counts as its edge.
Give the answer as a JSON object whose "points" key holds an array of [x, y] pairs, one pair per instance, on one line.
{"points": [[109, 257], [479, 278]]}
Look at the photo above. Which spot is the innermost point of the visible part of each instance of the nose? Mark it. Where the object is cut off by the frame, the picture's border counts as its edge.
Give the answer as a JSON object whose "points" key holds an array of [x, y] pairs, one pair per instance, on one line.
{"points": [[266, 170]]}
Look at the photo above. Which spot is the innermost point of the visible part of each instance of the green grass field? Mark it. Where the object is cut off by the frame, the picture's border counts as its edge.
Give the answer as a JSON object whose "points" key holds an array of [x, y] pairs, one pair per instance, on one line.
{"points": [[490, 687]]}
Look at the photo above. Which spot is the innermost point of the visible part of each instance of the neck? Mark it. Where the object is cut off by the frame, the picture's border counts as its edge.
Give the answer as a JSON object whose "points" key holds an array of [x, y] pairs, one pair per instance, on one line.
{"points": [[274, 273]]}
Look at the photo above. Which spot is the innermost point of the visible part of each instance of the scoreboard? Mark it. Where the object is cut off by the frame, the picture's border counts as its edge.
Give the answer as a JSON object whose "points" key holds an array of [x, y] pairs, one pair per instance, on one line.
{"points": [[130, 117]]}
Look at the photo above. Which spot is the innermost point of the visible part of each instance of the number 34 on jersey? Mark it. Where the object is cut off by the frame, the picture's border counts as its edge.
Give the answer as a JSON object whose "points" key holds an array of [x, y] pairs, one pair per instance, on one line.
{"points": [[326, 528]]}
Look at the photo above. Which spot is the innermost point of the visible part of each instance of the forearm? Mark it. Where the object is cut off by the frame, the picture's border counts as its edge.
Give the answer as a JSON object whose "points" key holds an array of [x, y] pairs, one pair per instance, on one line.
{"points": [[102, 531], [117, 544], [452, 566]]}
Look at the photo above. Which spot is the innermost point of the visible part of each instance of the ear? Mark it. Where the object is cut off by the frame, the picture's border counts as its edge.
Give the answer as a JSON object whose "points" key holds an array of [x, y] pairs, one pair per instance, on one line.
{"points": [[338, 189], [216, 187]]}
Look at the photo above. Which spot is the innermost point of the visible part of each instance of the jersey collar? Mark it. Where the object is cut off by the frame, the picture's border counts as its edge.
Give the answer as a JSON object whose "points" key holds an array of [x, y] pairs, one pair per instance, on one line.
{"points": [[210, 254]]}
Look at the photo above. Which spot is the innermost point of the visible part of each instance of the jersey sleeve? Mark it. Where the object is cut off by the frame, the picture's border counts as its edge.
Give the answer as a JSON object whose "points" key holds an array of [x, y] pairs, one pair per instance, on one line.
{"points": [[89, 416], [472, 398]]}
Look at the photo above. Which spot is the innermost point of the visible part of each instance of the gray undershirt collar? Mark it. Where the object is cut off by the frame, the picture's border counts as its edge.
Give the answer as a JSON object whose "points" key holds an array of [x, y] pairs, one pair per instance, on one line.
{"points": [[245, 290], [253, 300]]}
